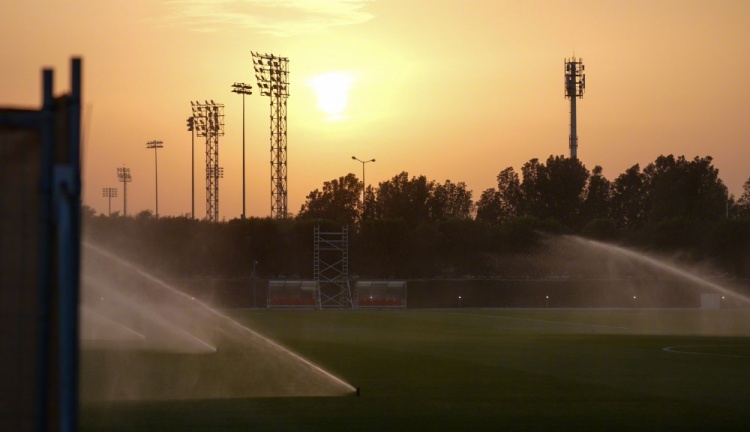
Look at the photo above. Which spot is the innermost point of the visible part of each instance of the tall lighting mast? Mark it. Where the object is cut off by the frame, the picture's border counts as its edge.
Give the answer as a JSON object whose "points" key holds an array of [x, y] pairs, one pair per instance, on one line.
{"points": [[243, 89], [109, 192], [123, 175], [208, 121], [156, 145], [272, 75], [191, 129], [575, 85]]}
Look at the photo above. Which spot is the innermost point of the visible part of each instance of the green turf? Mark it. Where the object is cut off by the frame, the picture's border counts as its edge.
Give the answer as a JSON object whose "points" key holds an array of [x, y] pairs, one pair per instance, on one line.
{"points": [[486, 370]]}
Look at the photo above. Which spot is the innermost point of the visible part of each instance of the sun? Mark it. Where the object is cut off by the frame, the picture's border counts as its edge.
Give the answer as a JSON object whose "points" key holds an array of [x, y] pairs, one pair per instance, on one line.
{"points": [[332, 91]]}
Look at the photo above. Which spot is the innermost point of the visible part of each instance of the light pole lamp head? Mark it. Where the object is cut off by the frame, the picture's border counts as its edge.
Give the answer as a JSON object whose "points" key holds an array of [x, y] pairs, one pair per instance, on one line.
{"points": [[242, 88]]}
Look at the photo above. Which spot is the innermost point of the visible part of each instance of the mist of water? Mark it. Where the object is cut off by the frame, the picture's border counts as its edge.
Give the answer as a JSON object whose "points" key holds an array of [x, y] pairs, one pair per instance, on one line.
{"points": [[145, 339], [662, 265]]}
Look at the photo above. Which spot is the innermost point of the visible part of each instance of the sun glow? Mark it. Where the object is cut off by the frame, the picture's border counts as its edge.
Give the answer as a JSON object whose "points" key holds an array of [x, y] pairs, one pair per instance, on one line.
{"points": [[332, 91]]}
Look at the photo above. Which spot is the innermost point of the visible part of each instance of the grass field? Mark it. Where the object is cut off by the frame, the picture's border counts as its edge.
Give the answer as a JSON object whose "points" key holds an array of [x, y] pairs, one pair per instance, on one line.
{"points": [[474, 369]]}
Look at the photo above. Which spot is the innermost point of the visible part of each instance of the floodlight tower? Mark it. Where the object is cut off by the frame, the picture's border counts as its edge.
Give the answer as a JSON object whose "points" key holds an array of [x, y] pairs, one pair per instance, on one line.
{"points": [[156, 145], [109, 193], [209, 122], [272, 74], [123, 174], [243, 89], [191, 129], [575, 84]]}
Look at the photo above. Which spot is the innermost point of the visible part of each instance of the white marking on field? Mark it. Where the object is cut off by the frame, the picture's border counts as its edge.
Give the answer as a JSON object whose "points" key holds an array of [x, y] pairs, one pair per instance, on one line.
{"points": [[679, 349], [543, 321]]}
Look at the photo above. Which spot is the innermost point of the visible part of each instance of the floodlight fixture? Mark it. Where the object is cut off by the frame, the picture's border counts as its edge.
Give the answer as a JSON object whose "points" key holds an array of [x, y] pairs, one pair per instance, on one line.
{"points": [[123, 175], [272, 76], [156, 145], [109, 193], [575, 85], [244, 90]]}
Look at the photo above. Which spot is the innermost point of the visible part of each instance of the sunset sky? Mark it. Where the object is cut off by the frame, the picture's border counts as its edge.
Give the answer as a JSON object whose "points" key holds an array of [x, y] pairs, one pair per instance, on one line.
{"points": [[453, 90]]}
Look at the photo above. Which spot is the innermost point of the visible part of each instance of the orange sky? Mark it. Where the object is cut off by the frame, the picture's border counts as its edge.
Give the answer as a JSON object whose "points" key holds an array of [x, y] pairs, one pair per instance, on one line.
{"points": [[449, 89]]}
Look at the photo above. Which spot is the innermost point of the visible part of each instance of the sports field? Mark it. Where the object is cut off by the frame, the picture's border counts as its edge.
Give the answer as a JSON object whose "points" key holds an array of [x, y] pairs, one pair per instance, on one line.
{"points": [[475, 369]]}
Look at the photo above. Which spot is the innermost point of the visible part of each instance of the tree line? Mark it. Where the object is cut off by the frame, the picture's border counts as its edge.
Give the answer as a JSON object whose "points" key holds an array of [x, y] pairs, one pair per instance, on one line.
{"points": [[409, 227]]}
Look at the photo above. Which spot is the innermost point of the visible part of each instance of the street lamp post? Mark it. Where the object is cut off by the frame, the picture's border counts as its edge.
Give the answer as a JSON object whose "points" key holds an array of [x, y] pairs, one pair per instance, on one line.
{"points": [[364, 185], [156, 145], [243, 89]]}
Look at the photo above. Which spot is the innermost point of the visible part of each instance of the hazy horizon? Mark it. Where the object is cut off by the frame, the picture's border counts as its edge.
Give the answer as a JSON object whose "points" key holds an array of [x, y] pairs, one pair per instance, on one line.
{"points": [[442, 89]]}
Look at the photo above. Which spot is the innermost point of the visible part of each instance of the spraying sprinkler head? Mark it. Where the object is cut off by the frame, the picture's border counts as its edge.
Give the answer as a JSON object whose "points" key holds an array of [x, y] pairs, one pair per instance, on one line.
{"points": [[357, 388]]}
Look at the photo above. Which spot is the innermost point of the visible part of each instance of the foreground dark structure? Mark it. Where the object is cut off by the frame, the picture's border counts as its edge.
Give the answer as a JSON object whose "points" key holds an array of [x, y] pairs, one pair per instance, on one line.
{"points": [[40, 199]]}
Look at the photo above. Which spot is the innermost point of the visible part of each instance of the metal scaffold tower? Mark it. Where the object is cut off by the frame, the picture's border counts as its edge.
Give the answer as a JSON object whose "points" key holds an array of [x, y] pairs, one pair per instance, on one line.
{"points": [[331, 267], [272, 75], [208, 121], [575, 85]]}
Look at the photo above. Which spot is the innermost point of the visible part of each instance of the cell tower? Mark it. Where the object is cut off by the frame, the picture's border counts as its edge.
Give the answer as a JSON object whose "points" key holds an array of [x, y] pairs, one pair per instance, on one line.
{"points": [[575, 85], [208, 121], [123, 174], [272, 74]]}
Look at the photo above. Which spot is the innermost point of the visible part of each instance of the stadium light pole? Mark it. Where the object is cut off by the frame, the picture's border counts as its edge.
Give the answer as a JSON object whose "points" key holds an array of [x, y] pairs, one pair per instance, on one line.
{"points": [[243, 89], [109, 192], [156, 145], [191, 129], [123, 174], [272, 76], [364, 185]]}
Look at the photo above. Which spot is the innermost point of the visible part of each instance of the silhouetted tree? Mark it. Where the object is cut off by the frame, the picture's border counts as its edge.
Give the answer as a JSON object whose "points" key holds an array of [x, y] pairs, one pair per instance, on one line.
{"points": [[598, 199], [555, 189], [450, 201], [684, 189], [743, 203], [401, 197], [629, 198], [338, 201], [503, 204], [489, 207]]}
